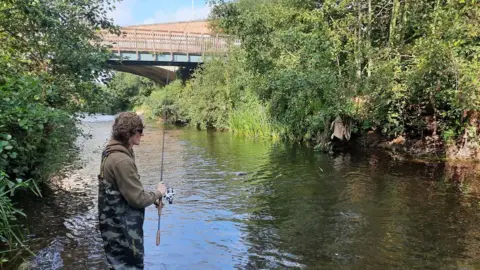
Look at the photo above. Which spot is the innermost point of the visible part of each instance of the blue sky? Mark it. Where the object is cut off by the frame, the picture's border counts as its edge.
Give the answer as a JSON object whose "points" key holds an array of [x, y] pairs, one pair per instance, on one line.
{"points": [[132, 12]]}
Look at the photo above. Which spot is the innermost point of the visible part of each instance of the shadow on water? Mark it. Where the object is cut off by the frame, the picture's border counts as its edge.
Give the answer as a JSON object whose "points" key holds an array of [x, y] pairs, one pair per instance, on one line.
{"points": [[242, 204]]}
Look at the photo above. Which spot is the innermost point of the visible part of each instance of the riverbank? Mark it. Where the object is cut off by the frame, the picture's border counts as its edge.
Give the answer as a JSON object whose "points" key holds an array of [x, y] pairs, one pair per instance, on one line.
{"points": [[427, 149]]}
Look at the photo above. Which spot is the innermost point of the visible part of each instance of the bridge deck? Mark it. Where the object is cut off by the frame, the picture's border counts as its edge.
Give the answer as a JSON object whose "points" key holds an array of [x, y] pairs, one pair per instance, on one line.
{"points": [[167, 42]]}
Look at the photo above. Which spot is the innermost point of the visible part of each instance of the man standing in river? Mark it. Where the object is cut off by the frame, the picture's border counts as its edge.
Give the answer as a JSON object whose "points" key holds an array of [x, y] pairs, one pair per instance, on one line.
{"points": [[121, 198]]}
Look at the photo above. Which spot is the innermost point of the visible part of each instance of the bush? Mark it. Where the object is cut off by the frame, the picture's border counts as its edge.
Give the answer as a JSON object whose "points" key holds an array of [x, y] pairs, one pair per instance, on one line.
{"points": [[35, 142], [164, 101], [219, 96], [34, 136]]}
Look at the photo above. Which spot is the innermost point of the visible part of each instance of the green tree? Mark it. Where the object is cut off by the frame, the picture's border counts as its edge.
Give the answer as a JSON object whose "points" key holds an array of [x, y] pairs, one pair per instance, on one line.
{"points": [[402, 67], [50, 56], [58, 40], [128, 90]]}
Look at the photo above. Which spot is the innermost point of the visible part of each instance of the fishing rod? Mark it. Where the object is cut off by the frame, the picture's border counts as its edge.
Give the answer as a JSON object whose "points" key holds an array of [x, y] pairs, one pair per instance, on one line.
{"points": [[170, 192]]}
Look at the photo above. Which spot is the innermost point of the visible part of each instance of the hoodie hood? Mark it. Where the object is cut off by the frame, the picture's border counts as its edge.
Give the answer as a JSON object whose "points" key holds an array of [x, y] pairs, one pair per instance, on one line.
{"points": [[116, 146]]}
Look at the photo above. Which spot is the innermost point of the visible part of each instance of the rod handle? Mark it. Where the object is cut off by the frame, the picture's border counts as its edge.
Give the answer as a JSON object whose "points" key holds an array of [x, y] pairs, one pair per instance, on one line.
{"points": [[158, 237]]}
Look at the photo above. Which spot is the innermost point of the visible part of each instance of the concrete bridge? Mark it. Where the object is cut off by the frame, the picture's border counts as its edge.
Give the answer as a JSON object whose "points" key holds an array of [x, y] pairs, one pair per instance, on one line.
{"points": [[146, 50]]}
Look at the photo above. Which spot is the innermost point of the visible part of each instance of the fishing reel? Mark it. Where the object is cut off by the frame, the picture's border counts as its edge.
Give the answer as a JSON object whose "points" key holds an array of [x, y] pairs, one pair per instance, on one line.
{"points": [[169, 195]]}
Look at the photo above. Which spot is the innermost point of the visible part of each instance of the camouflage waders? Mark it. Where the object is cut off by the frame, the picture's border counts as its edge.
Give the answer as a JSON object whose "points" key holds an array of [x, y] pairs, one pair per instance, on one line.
{"points": [[121, 225]]}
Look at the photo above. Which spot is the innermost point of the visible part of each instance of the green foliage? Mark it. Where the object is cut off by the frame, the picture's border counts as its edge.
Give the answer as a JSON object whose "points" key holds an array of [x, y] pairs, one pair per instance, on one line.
{"points": [[125, 91], [406, 68], [427, 85], [164, 102], [208, 97], [286, 47], [252, 119], [219, 96], [50, 57], [36, 141], [10, 232], [58, 40], [34, 135]]}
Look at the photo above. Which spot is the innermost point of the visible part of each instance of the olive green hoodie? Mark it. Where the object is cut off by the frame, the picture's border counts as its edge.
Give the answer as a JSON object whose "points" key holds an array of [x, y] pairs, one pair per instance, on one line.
{"points": [[121, 171]]}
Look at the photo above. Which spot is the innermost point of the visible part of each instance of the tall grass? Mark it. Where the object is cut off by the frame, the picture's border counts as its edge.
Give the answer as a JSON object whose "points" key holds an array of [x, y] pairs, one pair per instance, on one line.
{"points": [[252, 121], [11, 237]]}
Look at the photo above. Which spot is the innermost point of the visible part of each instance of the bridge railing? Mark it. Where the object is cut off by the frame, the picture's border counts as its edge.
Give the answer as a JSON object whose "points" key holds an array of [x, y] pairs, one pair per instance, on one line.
{"points": [[156, 41]]}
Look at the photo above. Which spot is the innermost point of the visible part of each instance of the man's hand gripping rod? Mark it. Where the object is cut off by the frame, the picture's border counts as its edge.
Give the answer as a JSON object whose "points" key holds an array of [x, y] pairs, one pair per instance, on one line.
{"points": [[159, 204]]}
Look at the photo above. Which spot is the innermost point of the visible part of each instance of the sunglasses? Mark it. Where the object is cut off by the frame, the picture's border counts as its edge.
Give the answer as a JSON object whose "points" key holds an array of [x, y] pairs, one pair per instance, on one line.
{"points": [[140, 130]]}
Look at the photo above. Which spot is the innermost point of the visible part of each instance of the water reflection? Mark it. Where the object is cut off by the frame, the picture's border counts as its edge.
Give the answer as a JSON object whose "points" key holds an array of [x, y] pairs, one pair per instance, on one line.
{"points": [[336, 213], [242, 204]]}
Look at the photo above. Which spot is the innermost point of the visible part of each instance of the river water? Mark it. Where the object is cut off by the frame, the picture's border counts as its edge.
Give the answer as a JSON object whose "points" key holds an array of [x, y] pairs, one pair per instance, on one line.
{"points": [[244, 204]]}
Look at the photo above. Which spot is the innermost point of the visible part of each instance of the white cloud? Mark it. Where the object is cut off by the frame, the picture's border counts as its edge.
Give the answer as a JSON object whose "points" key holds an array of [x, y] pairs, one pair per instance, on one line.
{"points": [[182, 14], [122, 15]]}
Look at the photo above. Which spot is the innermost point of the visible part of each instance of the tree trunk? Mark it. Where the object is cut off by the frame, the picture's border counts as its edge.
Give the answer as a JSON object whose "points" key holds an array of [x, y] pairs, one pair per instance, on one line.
{"points": [[433, 101], [393, 23], [338, 66], [369, 40], [404, 22], [358, 45]]}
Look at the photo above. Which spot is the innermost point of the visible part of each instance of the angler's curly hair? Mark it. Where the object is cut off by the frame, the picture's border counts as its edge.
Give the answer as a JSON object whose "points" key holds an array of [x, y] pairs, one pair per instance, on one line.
{"points": [[125, 126]]}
